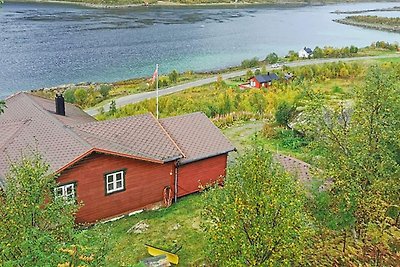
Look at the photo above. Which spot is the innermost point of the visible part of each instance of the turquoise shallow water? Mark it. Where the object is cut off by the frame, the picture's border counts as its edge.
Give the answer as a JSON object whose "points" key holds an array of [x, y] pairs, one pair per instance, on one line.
{"points": [[43, 45]]}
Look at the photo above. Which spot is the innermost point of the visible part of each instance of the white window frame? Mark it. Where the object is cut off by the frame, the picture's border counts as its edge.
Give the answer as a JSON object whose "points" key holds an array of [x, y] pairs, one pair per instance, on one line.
{"points": [[64, 191], [114, 182]]}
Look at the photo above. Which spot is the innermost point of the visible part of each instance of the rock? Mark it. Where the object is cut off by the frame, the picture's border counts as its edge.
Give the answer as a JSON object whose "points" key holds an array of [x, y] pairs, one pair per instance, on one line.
{"points": [[176, 227], [196, 223], [158, 261], [138, 228]]}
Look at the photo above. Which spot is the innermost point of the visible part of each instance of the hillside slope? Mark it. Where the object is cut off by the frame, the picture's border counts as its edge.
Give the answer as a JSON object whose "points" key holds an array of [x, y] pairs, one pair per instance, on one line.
{"points": [[117, 3]]}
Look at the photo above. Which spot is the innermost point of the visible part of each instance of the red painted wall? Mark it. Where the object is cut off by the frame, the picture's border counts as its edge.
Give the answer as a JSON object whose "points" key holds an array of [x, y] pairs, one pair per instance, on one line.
{"points": [[144, 184], [258, 84], [192, 175]]}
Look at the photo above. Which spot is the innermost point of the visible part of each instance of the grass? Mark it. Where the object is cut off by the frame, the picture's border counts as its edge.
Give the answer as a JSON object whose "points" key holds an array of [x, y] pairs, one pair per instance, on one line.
{"points": [[179, 224], [394, 59]]}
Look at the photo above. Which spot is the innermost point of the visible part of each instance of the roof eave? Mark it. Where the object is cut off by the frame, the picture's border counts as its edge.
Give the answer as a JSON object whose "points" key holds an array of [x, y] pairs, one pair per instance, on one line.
{"points": [[207, 156], [108, 152], [172, 159]]}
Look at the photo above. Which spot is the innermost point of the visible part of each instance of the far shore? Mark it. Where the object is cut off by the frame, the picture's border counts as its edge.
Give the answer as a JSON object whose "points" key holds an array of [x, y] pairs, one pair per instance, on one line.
{"points": [[287, 3], [374, 26]]}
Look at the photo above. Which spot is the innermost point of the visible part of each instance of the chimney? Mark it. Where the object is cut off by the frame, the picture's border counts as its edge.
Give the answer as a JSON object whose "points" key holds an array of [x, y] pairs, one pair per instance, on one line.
{"points": [[60, 105]]}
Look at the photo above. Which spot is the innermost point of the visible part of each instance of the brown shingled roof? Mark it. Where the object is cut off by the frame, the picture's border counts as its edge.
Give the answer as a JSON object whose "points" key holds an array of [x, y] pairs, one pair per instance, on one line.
{"points": [[196, 136], [73, 114], [38, 131], [138, 135], [29, 124]]}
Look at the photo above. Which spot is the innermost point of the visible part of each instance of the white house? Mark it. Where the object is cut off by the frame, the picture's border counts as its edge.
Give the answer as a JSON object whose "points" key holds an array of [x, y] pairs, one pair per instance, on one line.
{"points": [[305, 52]]}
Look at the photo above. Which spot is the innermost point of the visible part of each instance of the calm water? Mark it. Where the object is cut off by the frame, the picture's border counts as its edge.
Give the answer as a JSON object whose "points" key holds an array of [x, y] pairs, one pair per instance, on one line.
{"points": [[43, 45]]}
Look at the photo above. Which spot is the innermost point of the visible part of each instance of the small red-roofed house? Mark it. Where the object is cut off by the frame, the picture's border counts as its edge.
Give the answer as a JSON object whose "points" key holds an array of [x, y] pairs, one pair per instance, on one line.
{"points": [[117, 166]]}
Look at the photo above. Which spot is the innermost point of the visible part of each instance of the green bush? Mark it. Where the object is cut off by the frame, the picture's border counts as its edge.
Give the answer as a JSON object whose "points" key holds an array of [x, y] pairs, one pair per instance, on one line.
{"points": [[337, 90], [105, 90], [291, 140], [250, 63], [69, 96], [272, 58]]}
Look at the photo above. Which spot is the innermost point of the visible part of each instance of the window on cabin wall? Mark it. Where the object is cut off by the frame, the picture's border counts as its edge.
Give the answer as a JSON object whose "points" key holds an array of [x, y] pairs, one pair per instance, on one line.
{"points": [[66, 191], [115, 182]]}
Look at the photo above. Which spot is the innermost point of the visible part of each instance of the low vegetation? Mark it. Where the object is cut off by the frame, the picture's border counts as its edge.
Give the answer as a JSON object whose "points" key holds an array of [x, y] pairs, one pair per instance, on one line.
{"points": [[373, 22], [32, 229], [259, 217], [358, 217], [2, 106], [91, 95], [96, 95], [226, 103]]}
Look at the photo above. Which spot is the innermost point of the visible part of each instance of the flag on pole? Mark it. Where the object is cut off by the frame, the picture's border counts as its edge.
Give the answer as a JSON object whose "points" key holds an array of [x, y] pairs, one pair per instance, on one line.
{"points": [[155, 78], [155, 74]]}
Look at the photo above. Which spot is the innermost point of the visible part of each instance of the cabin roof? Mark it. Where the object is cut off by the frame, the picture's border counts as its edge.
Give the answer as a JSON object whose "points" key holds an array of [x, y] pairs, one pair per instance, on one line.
{"points": [[196, 136], [265, 78], [308, 50], [30, 124], [139, 135]]}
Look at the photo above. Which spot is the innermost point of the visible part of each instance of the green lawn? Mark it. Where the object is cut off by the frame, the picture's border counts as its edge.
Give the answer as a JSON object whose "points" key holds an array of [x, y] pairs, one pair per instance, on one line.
{"points": [[179, 224], [392, 59]]}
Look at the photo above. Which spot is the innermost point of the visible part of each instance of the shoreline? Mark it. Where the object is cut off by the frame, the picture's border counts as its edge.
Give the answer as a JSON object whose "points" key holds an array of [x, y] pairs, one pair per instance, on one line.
{"points": [[395, 8], [379, 27], [204, 5], [210, 73]]}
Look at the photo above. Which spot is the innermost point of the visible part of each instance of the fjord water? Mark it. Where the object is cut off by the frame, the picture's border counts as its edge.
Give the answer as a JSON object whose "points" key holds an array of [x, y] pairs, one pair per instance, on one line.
{"points": [[43, 45]]}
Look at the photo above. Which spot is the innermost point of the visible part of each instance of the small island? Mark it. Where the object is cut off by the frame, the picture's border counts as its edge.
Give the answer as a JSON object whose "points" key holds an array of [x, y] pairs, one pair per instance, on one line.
{"points": [[372, 22]]}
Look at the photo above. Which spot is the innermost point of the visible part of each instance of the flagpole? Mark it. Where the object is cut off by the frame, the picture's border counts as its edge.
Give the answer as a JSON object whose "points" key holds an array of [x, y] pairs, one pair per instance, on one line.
{"points": [[157, 90]]}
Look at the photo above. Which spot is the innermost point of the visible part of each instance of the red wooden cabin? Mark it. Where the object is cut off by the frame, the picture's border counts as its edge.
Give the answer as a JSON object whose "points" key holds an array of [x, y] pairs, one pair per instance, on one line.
{"points": [[259, 81], [117, 166]]}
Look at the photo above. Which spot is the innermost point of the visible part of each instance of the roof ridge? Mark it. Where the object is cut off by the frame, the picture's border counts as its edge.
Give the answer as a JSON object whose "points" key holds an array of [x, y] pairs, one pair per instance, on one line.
{"points": [[168, 135], [14, 95], [182, 116], [42, 97], [105, 121], [57, 122], [39, 96]]}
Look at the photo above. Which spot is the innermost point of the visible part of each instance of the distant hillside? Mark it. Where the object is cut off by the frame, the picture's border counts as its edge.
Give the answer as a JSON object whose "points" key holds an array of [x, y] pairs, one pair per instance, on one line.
{"points": [[113, 3]]}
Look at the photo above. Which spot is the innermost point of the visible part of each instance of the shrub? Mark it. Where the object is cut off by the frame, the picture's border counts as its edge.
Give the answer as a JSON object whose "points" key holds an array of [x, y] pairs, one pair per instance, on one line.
{"points": [[69, 96], [105, 90], [291, 140], [272, 58], [268, 130], [250, 63]]}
